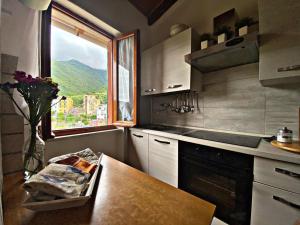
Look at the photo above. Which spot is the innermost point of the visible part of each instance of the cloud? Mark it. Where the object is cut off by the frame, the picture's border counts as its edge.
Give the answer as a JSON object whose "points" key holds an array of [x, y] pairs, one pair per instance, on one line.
{"points": [[66, 46]]}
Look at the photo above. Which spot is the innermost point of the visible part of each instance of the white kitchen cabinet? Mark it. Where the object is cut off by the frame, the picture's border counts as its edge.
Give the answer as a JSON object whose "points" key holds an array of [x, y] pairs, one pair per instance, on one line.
{"points": [[164, 68], [151, 61], [274, 206], [138, 150], [277, 174], [279, 27], [276, 194], [163, 159]]}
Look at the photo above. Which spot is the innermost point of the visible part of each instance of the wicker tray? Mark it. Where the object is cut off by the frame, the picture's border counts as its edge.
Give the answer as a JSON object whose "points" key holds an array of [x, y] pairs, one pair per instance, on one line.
{"points": [[29, 203], [292, 147]]}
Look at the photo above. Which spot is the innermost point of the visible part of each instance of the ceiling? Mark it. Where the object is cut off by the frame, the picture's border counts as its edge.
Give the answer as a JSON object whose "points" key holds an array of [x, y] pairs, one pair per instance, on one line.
{"points": [[152, 9]]}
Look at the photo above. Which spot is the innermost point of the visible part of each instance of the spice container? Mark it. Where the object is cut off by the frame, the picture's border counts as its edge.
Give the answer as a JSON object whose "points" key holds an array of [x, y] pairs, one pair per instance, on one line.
{"points": [[285, 135]]}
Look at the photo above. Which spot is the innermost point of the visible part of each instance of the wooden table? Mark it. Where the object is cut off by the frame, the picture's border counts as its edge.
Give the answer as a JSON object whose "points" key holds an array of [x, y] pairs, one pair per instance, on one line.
{"points": [[124, 196]]}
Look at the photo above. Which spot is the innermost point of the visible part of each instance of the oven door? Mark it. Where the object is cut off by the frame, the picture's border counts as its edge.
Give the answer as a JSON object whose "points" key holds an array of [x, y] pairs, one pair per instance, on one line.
{"points": [[228, 188]]}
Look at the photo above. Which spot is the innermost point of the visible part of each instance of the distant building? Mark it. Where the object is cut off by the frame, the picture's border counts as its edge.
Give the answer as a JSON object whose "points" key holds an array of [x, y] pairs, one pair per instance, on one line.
{"points": [[64, 106], [102, 112], [90, 104]]}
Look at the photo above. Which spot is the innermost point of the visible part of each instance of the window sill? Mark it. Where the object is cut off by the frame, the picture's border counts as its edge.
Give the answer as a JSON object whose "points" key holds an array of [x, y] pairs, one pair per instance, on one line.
{"points": [[81, 131]]}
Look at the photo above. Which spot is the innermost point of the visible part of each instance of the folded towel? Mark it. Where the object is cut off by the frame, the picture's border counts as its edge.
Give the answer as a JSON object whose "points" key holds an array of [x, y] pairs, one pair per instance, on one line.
{"points": [[86, 154], [79, 163], [58, 180]]}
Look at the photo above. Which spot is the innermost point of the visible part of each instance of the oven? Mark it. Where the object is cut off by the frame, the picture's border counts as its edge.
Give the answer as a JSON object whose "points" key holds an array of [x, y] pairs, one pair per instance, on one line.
{"points": [[221, 177]]}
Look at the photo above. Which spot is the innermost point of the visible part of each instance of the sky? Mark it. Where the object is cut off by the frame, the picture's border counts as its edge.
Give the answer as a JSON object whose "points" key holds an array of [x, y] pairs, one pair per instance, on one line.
{"points": [[66, 46]]}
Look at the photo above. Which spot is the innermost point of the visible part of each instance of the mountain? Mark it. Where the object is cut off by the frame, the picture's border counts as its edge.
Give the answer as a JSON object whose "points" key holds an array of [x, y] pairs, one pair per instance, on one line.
{"points": [[76, 78]]}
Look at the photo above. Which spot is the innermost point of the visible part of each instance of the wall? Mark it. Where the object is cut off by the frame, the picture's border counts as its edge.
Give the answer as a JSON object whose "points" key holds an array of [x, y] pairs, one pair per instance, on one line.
{"points": [[12, 126], [110, 143], [123, 16], [197, 14], [119, 14], [20, 36], [19, 49], [234, 100]]}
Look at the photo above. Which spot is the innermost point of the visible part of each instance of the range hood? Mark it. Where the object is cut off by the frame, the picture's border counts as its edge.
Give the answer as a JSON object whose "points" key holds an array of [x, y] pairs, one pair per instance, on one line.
{"points": [[234, 52]]}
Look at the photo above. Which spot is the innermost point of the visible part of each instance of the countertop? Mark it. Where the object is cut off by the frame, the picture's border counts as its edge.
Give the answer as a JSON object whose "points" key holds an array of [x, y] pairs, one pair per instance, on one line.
{"points": [[265, 149], [124, 196]]}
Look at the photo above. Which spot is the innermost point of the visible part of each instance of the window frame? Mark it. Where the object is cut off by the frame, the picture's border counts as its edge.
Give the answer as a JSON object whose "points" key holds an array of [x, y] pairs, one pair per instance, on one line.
{"points": [[47, 131], [115, 121]]}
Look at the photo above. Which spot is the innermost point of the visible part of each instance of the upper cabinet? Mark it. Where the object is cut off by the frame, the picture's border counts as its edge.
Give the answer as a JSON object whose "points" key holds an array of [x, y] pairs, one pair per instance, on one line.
{"points": [[164, 68], [279, 25]]}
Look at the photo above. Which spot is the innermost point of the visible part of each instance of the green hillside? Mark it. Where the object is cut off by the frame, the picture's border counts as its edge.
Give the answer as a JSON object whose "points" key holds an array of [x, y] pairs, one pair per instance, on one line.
{"points": [[76, 78]]}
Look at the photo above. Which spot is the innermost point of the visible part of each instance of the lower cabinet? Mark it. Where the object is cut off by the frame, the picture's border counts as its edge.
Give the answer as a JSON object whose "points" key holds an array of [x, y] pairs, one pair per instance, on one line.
{"points": [[274, 206], [155, 155], [276, 193], [163, 159], [138, 153]]}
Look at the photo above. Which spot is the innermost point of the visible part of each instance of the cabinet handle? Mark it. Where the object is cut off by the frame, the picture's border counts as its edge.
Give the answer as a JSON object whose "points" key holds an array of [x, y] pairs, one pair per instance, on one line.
{"points": [[139, 136], [286, 202], [163, 142], [174, 86], [150, 90], [288, 68], [286, 172]]}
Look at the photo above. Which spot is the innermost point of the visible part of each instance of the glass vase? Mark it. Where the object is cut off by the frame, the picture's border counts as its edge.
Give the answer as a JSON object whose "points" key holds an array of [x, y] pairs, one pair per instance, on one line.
{"points": [[33, 154]]}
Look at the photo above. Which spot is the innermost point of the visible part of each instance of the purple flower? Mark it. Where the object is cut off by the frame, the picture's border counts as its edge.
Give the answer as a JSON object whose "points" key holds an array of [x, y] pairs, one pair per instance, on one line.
{"points": [[20, 76], [40, 91]]}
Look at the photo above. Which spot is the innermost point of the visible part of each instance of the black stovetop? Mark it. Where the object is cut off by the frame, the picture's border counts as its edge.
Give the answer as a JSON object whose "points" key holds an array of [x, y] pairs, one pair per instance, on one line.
{"points": [[234, 139]]}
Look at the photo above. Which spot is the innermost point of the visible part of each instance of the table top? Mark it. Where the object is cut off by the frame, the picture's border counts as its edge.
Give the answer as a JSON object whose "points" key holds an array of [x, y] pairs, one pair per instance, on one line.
{"points": [[123, 195]]}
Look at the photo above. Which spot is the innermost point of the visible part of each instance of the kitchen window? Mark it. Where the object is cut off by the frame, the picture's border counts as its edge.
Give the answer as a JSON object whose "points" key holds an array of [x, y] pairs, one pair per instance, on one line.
{"points": [[95, 71]]}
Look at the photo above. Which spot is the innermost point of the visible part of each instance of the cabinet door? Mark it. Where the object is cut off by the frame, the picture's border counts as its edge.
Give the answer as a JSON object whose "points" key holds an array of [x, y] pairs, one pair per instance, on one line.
{"points": [[279, 25], [151, 71], [163, 159], [274, 206], [138, 150], [176, 73]]}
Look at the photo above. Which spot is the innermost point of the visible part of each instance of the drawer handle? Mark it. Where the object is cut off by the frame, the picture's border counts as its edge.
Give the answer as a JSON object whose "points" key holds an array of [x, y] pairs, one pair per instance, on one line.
{"points": [[139, 136], [286, 202], [150, 90], [174, 86], [286, 172], [163, 142], [288, 68]]}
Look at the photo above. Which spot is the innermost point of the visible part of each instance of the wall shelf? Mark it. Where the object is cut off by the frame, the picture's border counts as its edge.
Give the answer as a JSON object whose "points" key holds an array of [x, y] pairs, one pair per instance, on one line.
{"points": [[234, 52]]}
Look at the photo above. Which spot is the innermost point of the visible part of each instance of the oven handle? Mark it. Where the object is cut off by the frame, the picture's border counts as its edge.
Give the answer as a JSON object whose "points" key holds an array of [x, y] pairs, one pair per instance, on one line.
{"points": [[286, 202], [286, 172], [163, 142]]}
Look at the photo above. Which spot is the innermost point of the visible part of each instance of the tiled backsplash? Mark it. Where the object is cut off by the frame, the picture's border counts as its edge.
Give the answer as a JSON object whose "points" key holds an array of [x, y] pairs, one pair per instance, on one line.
{"points": [[234, 100]]}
